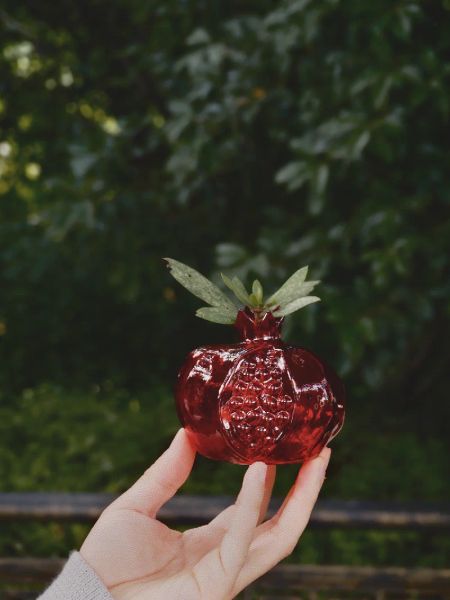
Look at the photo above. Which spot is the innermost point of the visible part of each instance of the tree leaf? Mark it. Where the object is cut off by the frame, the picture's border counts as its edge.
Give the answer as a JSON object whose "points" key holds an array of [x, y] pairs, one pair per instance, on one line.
{"points": [[293, 288], [199, 285], [294, 175], [217, 315], [197, 37], [288, 309], [237, 287]]}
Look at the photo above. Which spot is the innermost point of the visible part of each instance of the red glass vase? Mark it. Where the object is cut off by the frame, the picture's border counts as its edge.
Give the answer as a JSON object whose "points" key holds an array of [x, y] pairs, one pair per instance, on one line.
{"points": [[260, 399]]}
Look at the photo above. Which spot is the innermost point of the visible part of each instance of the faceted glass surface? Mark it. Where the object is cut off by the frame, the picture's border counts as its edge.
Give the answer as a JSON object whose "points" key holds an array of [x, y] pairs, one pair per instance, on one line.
{"points": [[259, 400]]}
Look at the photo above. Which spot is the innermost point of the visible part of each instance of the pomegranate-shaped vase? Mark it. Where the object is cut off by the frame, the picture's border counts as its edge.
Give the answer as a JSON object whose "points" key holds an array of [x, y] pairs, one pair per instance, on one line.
{"points": [[260, 399]]}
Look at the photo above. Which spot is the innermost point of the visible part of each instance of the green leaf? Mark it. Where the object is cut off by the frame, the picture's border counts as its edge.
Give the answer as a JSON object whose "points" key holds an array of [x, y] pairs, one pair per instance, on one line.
{"points": [[197, 37], [217, 315], [198, 285], [257, 292], [293, 288], [303, 290], [293, 175], [237, 287], [288, 309], [253, 300]]}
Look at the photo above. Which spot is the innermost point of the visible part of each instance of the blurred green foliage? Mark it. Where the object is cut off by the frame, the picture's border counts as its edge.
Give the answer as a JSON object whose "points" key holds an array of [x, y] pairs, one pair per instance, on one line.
{"points": [[249, 139], [104, 438]]}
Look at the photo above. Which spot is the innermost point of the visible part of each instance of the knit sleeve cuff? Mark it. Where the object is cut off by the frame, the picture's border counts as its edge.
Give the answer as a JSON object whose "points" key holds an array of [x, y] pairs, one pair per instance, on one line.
{"points": [[77, 581]]}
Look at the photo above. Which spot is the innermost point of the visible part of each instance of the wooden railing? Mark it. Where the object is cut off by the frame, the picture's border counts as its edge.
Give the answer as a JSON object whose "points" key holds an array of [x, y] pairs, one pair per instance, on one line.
{"points": [[286, 580]]}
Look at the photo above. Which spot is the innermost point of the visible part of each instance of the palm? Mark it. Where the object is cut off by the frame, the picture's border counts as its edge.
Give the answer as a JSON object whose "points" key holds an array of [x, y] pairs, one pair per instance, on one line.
{"points": [[139, 557], [166, 565]]}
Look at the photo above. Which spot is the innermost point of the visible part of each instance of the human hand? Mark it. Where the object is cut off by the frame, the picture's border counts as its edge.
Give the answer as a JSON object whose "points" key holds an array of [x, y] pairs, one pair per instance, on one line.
{"points": [[140, 558]]}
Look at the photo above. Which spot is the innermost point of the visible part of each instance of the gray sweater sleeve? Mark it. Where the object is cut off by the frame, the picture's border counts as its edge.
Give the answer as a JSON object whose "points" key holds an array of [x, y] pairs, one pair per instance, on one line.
{"points": [[77, 581]]}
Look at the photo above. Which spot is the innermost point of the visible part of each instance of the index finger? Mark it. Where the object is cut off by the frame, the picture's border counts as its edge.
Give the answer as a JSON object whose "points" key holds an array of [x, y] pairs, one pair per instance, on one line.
{"points": [[162, 479]]}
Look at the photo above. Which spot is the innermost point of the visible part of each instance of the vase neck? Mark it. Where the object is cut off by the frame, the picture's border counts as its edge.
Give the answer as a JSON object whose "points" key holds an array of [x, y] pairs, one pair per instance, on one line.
{"points": [[252, 326]]}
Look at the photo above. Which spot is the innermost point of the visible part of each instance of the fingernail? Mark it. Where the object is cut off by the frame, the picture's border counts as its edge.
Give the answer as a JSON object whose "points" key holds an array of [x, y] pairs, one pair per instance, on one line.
{"points": [[324, 455], [323, 458], [325, 452], [179, 433], [260, 470]]}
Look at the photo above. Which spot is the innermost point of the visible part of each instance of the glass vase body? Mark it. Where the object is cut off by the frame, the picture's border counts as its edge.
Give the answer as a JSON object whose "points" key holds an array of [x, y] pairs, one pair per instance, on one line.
{"points": [[260, 399]]}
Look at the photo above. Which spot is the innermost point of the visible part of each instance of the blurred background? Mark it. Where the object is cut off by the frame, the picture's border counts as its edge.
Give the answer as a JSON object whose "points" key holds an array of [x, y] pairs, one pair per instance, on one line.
{"points": [[245, 137]]}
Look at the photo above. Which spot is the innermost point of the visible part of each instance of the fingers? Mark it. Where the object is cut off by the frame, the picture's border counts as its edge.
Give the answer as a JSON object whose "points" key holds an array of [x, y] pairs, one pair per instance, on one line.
{"points": [[162, 479], [275, 539], [268, 487], [293, 517], [223, 519], [222, 565], [237, 540]]}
